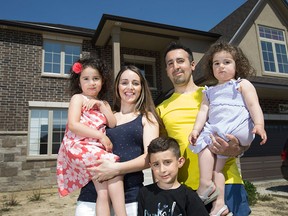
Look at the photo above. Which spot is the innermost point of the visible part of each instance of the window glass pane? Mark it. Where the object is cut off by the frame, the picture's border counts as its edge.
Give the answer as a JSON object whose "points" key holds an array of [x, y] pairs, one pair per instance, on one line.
{"points": [[59, 125], [268, 57], [149, 75], [47, 67], [43, 139], [48, 57], [146, 70], [52, 55], [48, 47], [54, 60], [285, 69], [68, 63], [68, 49], [274, 49], [38, 130], [56, 68], [271, 33], [68, 60], [67, 69], [265, 56], [72, 54], [281, 58]]}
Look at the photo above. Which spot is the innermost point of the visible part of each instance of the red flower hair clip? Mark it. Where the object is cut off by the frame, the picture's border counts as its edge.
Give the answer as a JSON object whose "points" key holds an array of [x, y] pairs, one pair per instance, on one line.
{"points": [[77, 68]]}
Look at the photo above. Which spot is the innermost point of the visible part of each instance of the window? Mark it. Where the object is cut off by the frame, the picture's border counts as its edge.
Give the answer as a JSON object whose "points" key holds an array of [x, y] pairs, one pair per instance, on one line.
{"points": [[46, 128], [274, 50], [146, 65], [59, 55]]}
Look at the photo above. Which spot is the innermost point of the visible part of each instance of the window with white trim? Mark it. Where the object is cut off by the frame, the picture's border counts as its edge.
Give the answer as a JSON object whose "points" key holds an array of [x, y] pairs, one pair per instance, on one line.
{"points": [[274, 50], [47, 123], [146, 65], [59, 55]]}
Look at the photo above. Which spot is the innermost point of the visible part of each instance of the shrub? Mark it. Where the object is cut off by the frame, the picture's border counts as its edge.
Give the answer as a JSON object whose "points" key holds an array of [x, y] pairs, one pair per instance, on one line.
{"points": [[252, 192]]}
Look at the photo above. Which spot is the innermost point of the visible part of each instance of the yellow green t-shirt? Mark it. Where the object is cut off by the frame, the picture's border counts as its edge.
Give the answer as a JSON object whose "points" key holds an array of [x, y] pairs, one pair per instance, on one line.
{"points": [[179, 114]]}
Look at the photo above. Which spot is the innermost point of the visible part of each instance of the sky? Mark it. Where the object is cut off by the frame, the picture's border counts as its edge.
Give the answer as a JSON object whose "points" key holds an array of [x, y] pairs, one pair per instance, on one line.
{"points": [[193, 14]]}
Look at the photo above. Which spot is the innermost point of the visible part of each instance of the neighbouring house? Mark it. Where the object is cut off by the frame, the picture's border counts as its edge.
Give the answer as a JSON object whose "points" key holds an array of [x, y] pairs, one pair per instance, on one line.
{"points": [[35, 59]]}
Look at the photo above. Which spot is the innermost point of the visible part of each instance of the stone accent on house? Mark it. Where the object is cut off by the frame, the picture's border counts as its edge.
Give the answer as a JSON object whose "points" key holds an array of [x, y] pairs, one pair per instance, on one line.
{"points": [[18, 173]]}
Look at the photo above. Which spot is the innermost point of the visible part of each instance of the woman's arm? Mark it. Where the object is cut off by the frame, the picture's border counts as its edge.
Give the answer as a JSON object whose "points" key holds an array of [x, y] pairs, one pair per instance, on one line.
{"points": [[107, 169]]}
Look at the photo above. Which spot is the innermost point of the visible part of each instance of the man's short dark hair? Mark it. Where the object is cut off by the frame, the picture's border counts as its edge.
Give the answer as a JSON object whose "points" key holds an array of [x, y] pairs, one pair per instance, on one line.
{"points": [[175, 45]]}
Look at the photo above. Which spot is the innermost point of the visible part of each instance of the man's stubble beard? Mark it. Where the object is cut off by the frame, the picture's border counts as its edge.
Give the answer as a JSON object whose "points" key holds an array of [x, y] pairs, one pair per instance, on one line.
{"points": [[179, 80]]}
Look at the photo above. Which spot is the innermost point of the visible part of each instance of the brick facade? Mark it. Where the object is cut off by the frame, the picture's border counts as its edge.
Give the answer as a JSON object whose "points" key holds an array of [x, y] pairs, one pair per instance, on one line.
{"points": [[21, 82], [271, 106]]}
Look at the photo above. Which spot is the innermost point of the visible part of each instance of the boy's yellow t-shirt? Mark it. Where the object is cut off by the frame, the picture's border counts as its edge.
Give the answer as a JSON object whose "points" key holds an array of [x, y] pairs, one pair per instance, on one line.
{"points": [[179, 114]]}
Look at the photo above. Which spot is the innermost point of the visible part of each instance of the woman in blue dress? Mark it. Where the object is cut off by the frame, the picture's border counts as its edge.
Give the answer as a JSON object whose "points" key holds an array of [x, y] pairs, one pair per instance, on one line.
{"points": [[137, 124]]}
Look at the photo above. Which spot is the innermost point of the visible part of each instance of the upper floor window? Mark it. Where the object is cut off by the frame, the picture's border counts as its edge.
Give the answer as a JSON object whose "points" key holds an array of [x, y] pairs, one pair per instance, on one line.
{"points": [[146, 65], [274, 50], [59, 55], [47, 123]]}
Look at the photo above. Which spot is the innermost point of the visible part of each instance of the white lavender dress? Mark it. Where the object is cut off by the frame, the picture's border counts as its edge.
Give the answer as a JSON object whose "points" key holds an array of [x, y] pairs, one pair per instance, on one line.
{"points": [[227, 115]]}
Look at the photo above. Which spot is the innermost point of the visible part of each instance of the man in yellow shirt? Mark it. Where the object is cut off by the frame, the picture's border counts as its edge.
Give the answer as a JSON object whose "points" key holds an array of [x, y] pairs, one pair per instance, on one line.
{"points": [[179, 112]]}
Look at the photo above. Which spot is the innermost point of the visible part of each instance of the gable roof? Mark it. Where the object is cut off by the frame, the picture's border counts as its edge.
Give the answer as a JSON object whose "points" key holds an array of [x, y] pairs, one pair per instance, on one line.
{"points": [[235, 25], [229, 28], [236, 21], [233, 28]]}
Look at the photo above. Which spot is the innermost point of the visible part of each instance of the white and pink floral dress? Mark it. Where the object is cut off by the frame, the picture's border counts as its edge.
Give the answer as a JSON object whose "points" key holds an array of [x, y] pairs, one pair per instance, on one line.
{"points": [[76, 153]]}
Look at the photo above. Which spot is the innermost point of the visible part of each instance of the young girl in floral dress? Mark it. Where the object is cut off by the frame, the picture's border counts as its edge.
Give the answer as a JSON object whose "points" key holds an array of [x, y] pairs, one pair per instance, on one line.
{"points": [[85, 139]]}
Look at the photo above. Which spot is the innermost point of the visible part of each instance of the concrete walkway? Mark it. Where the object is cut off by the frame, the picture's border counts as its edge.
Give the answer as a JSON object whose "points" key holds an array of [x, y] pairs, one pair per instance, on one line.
{"points": [[277, 187]]}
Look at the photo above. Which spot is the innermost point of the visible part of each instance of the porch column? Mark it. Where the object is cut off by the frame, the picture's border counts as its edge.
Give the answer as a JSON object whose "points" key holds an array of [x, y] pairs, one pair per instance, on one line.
{"points": [[116, 50]]}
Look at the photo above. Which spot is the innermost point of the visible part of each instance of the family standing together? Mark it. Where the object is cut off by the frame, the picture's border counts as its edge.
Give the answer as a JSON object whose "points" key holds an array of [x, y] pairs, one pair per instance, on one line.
{"points": [[105, 150]]}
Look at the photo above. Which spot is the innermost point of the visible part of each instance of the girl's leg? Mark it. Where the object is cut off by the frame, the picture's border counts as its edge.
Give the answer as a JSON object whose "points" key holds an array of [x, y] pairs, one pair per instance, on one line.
{"points": [[206, 161], [116, 193], [103, 201], [219, 181]]}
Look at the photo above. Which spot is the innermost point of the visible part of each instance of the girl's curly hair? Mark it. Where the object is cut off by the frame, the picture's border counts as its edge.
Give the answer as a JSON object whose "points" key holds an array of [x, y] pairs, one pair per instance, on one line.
{"points": [[97, 64], [243, 67]]}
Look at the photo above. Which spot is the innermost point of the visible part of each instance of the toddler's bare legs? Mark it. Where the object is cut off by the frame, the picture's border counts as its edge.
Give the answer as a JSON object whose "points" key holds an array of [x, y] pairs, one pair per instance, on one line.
{"points": [[219, 181], [103, 201], [116, 193], [206, 161]]}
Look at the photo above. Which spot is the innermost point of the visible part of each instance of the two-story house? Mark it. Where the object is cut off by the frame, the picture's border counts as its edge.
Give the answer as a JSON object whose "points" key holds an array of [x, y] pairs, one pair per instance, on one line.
{"points": [[35, 59]]}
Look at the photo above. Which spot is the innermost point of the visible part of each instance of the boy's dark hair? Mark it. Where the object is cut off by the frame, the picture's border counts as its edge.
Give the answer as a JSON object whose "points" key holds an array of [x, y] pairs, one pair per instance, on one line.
{"points": [[161, 144], [175, 45]]}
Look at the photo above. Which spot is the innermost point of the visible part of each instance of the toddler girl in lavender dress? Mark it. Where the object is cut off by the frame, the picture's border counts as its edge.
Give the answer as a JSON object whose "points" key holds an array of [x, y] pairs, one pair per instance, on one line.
{"points": [[229, 107]]}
